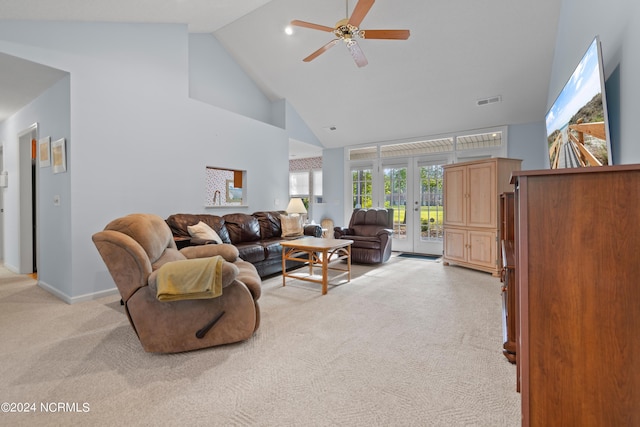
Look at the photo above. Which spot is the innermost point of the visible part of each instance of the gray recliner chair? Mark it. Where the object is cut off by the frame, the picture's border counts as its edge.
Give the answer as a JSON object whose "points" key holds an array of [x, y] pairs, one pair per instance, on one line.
{"points": [[370, 230], [134, 248]]}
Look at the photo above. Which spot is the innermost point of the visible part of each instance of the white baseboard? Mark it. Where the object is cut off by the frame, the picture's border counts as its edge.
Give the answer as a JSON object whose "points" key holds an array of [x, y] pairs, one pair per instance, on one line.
{"points": [[80, 298], [11, 268]]}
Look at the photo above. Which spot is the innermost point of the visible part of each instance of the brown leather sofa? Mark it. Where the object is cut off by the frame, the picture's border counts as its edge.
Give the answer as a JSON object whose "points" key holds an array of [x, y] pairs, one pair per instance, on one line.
{"points": [[257, 236], [135, 247], [370, 230]]}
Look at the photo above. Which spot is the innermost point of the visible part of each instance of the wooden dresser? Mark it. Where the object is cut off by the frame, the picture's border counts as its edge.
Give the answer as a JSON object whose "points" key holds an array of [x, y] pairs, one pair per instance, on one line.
{"points": [[471, 217], [578, 271]]}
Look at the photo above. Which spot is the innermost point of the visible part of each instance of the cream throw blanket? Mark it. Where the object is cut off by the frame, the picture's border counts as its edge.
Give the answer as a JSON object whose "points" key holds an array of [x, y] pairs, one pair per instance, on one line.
{"points": [[190, 279]]}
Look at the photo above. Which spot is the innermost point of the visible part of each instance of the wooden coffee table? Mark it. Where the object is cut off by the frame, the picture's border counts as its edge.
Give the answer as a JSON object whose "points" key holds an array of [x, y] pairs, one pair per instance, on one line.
{"points": [[316, 252]]}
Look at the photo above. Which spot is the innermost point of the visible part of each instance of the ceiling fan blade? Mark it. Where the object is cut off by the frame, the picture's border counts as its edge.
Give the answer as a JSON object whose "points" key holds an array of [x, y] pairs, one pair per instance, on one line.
{"points": [[322, 50], [357, 53], [385, 34], [360, 11], [312, 26]]}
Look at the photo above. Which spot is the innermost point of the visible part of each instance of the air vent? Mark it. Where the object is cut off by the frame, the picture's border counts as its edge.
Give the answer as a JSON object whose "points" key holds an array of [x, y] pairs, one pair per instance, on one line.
{"points": [[487, 101]]}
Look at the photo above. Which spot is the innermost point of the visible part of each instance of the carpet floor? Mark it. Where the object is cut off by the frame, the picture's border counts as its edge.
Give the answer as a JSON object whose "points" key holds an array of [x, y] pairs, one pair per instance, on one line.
{"points": [[409, 343]]}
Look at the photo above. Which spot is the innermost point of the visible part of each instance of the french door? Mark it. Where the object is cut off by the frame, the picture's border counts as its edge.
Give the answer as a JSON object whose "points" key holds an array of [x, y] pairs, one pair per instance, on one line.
{"points": [[429, 235], [413, 189]]}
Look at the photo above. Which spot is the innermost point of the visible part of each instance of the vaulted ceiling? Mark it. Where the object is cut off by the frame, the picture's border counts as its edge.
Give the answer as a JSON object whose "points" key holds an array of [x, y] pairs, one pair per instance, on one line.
{"points": [[459, 52]]}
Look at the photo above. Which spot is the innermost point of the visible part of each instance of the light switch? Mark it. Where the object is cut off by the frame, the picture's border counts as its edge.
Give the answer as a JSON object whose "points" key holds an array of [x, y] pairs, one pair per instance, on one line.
{"points": [[56, 200]]}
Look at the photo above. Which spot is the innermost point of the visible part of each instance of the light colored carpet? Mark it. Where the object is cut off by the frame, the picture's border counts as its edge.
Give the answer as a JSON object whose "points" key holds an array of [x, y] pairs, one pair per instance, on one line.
{"points": [[408, 343]]}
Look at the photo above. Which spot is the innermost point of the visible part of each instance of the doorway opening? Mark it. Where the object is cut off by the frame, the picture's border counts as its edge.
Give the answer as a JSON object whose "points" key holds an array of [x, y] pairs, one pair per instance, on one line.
{"points": [[28, 182]]}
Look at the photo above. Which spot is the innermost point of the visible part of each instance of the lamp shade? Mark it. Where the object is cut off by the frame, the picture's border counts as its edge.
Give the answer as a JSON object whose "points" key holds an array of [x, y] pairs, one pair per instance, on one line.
{"points": [[296, 206]]}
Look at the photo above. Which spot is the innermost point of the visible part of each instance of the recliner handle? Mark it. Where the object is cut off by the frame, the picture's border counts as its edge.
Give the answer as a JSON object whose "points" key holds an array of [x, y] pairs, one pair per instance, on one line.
{"points": [[203, 331]]}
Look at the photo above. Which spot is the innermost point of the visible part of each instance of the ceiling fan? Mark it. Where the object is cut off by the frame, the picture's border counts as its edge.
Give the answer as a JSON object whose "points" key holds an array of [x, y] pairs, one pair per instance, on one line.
{"points": [[348, 30]]}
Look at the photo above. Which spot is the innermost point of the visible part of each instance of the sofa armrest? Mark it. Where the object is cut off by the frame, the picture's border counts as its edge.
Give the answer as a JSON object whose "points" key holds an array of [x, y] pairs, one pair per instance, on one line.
{"points": [[313, 230], [195, 241], [338, 232], [227, 251], [384, 232]]}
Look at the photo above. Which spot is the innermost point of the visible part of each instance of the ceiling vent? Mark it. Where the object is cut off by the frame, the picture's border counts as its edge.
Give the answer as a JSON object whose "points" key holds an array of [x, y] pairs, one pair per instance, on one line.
{"points": [[487, 101]]}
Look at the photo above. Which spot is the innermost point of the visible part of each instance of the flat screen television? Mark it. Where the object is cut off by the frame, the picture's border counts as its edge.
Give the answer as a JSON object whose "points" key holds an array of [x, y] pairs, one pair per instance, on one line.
{"points": [[577, 122]]}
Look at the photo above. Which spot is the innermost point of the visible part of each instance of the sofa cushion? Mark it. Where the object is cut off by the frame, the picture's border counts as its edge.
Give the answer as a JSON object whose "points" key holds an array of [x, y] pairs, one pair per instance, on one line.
{"points": [[364, 242], [269, 224], [291, 226], [272, 248], [178, 224], [375, 217], [251, 252], [366, 230], [242, 228], [204, 232]]}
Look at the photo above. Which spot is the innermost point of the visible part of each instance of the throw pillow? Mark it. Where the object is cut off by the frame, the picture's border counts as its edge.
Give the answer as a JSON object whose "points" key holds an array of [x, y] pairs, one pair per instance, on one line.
{"points": [[203, 231], [291, 226]]}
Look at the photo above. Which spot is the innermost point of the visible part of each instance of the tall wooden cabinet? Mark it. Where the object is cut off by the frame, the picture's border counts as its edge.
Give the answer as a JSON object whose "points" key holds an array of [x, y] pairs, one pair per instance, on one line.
{"points": [[508, 275], [471, 206], [578, 268]]}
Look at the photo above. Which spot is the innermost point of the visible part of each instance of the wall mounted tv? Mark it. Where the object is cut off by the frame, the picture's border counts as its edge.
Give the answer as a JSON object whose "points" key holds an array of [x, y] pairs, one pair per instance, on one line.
{"points": [[577, 123]]}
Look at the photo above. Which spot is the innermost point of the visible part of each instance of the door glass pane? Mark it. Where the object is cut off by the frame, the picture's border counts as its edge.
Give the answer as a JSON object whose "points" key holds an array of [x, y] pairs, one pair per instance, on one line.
{"points": [[431, 212], [362, 190], [395, 196]]}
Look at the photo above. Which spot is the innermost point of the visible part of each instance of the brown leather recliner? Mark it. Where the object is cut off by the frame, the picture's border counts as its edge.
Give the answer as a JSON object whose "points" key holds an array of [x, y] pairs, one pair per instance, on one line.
{"points": [[370, 230], [135, 246]]}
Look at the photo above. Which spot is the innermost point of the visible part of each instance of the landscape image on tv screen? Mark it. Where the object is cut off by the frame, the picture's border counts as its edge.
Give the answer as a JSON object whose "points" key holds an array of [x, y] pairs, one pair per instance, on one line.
{"points": [[577, 130]]}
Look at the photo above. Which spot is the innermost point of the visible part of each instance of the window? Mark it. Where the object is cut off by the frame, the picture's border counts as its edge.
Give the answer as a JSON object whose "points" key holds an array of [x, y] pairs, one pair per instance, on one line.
{"points": [[370, 187], [317, 184], [299, 184], [308, 186], [362, 180]]}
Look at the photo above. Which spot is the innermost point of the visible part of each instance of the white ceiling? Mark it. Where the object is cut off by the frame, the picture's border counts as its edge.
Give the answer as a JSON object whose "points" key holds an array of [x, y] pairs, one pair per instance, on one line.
{"points": [[459, 52]]}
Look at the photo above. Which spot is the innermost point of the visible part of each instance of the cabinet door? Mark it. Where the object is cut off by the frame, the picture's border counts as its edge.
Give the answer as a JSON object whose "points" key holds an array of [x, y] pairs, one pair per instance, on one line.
{"points": [[483, 248], [455, 196], [455, 244], [482, 200]]}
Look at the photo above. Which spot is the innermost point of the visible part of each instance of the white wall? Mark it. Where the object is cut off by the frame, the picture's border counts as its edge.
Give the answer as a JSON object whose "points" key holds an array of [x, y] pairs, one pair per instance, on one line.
{"points": [[333, 187], [215, 78], [139, 144], [528, 142], [617, 22]]}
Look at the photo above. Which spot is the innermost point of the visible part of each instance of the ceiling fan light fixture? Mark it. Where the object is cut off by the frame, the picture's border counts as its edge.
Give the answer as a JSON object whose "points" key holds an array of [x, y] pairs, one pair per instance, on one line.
{"points": [[348, 29]]}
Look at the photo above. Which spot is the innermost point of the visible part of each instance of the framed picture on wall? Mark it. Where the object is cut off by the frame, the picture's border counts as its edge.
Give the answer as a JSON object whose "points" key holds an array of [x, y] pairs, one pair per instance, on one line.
{"points": [[59, 156], [234, 195], [44, 152]]}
